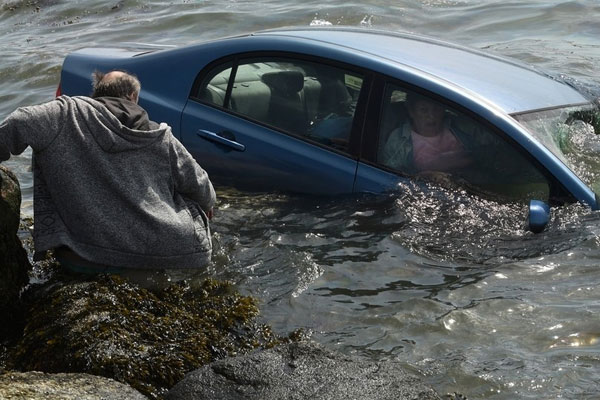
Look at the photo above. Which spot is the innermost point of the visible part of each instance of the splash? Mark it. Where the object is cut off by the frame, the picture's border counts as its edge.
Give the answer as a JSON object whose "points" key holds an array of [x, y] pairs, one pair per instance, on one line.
{"points": [[316, 21], [367, 21], [454, 225], [320, 22]]}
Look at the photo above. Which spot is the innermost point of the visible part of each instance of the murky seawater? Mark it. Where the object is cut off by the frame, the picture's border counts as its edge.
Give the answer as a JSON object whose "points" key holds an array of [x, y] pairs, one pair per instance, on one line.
{"points": [[450, 284]]}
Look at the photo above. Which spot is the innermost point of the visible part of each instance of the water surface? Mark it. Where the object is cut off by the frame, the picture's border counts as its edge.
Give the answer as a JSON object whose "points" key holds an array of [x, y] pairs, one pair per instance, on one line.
{"points": [[449, 284]]}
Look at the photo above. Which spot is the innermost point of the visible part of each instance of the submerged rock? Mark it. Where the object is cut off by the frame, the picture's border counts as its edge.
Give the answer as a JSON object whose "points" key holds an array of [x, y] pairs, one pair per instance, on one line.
{"points": [[41, 386], [112, 328], [300, 371], [14, 263]]}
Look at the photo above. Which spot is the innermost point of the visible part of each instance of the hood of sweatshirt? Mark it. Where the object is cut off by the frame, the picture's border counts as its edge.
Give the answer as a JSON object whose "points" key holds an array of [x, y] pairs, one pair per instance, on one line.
{"points": [[128, 113], [118, 124]]}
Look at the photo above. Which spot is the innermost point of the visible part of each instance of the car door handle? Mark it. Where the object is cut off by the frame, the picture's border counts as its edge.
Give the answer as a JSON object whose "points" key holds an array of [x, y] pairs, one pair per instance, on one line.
{"points": [[215, 137]]}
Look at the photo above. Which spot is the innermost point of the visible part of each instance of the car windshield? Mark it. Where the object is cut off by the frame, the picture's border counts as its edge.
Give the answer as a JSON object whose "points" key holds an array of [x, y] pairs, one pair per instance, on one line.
{"points": [[571, 133]]}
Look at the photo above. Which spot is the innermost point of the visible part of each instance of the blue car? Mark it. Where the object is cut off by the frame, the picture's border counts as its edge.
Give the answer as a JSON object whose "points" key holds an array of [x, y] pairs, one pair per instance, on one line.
{"points": [[337, 110]]}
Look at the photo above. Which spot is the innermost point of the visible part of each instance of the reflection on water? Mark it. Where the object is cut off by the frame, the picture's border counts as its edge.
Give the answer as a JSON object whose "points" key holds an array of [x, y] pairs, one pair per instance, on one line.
{"points": [[427, 221], [439, 279]]}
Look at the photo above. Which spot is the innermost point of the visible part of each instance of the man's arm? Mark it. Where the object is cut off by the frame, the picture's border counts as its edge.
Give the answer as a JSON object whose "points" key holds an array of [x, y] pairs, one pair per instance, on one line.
{"points": [[191, 180], [397, 151], [34, 126]]}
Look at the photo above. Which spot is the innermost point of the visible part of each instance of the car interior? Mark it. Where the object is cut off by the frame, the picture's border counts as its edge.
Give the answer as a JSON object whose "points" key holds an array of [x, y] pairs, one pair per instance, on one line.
{"points": [[298, 98]]}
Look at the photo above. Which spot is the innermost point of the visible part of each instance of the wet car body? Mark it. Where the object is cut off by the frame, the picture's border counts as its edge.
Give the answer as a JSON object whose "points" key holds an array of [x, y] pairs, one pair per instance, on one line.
{"points": [[306, 110]]}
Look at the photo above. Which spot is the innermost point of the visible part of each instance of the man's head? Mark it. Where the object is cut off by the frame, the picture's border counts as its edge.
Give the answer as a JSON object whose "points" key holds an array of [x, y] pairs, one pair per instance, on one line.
{"points": [[116, 84]]}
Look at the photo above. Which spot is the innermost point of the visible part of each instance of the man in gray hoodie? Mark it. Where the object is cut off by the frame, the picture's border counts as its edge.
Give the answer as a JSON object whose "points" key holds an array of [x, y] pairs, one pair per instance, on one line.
{"points": [[111, 187]]}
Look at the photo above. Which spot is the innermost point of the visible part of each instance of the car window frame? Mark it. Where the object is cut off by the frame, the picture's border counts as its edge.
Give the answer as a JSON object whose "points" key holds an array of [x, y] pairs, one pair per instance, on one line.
{"points": [[558, 194], [354, 144]]}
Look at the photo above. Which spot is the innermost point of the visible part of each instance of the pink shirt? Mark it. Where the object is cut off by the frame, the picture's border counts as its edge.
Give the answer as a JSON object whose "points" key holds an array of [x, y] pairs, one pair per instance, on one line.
{"points": [[435, 153]]}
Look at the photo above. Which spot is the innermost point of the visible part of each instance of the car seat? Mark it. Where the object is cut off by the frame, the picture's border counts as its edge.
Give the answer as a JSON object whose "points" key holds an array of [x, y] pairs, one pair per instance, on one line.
{"points": [[286, 107]]}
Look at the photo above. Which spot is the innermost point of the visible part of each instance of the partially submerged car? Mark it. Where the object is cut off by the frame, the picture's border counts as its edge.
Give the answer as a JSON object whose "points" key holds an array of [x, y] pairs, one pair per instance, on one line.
{"points": [[322, 111]]}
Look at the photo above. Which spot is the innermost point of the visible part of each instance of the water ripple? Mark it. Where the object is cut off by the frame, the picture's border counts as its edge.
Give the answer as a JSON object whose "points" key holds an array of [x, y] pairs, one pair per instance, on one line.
{"points": [[440, 279]]}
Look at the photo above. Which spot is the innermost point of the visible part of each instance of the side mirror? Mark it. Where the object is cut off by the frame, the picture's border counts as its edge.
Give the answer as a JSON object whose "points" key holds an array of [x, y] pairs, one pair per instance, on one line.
{"points": [[539, 215]]}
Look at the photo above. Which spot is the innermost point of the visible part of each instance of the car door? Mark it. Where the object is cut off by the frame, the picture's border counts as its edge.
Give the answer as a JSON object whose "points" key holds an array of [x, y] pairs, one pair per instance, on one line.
{"points": [[482, 160], [275, 122]]}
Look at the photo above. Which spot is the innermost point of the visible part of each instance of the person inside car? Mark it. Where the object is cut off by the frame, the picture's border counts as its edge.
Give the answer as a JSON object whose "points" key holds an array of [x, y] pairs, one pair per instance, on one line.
{"points": [[443, 146], [426, 142]]}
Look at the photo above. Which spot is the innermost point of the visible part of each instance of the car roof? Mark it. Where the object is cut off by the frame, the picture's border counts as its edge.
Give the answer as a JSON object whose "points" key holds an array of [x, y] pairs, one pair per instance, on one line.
{"points": [[509, 85]]}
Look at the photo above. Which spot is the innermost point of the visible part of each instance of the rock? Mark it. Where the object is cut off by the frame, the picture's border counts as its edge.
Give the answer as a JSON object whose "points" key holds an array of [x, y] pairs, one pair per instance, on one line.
{"points": [[107, 326], [300, 371], [14, 263], [41, 386]]}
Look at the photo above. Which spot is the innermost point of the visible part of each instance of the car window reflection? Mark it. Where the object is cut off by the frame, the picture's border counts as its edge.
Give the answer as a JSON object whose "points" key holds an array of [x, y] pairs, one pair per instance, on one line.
{"points": [[423, 138], [307, 99], [214, 88]]}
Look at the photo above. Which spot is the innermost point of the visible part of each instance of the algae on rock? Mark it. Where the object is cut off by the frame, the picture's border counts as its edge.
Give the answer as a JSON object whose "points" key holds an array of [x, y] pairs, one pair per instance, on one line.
{"points": [[40, 386], [110, 327]]}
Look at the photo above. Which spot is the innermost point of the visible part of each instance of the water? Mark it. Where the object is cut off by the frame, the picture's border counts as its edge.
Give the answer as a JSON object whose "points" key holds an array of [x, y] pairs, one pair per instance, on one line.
{"points": [[448, 283]]}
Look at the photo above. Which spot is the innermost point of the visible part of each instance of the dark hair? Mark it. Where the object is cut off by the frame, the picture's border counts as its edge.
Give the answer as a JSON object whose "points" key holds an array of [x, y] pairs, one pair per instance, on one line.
{"points": [[121, 86], [413, 98]]}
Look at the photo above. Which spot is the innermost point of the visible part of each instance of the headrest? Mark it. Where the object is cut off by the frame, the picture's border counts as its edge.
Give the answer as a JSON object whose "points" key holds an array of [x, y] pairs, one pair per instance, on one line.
{"points": [[284, 81]]}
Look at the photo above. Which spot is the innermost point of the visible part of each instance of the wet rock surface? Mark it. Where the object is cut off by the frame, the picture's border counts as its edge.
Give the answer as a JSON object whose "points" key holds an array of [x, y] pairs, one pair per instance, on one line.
{"points": [[14, 263], [109, 327], [300, 371], [41, 386]]}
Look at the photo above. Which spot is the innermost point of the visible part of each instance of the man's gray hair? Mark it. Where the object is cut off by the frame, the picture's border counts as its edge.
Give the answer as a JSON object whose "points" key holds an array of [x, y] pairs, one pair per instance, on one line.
{"points": [[123, 85]]}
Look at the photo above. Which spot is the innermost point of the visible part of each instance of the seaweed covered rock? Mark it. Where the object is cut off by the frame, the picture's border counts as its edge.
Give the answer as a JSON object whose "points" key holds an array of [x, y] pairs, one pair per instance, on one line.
{"points": [[301, 371], [41, 386], [112, 328], [14, 263]]}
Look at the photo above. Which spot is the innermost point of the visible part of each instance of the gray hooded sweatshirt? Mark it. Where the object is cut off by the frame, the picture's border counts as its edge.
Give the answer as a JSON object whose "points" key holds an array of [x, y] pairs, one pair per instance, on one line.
{"points": [[113, 194]]}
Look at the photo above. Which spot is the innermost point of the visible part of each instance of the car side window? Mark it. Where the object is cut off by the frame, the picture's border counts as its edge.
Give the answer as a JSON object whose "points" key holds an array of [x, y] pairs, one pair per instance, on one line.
{"points": [[304, 98], [215, 85], [423, 137]]}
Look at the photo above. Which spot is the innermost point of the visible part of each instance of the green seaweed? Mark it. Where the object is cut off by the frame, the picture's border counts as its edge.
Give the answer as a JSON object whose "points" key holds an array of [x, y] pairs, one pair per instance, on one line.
{"points": [[110, 327]]}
